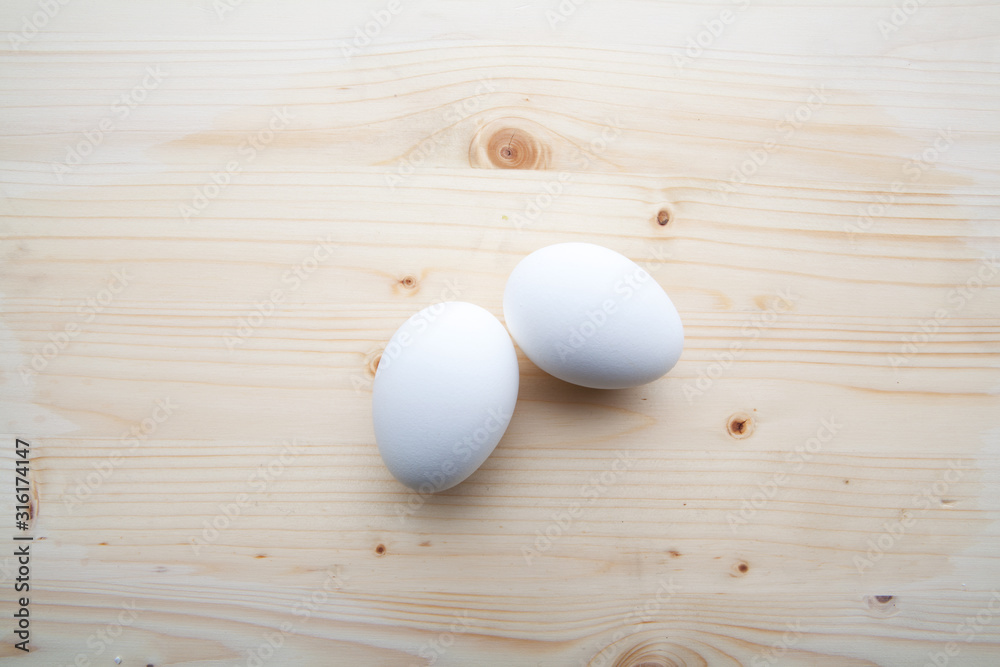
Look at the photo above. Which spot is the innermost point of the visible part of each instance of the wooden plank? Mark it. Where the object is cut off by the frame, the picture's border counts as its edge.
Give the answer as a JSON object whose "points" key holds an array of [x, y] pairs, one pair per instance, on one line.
{"points": [[191, 316]]}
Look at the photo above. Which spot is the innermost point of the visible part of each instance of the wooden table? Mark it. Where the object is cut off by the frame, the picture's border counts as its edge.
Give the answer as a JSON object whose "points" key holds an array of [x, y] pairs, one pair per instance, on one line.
{"points": [[215, 213]]}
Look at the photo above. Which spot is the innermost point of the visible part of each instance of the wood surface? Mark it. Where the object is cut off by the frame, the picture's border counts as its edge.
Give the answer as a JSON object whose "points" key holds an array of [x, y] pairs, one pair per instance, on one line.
{"points": [[197, 278]]}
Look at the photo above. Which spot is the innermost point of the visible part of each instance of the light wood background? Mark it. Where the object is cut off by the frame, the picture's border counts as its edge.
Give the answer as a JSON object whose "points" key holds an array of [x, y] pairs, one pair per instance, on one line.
{"points": [[738, 531]]}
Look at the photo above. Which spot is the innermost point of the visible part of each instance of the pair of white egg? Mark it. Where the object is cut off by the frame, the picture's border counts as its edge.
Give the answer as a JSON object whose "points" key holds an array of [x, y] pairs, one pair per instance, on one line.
{"points": [[447, 382]]}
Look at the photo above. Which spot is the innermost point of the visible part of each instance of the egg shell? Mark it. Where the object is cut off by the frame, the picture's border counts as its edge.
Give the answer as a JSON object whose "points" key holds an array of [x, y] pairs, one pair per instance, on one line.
{"points": [[443, 395], [591, 316]]}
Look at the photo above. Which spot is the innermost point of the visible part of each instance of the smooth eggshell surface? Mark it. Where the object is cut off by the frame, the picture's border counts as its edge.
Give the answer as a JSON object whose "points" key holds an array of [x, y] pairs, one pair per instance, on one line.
{"points": [[591, 316], [444, 392]]}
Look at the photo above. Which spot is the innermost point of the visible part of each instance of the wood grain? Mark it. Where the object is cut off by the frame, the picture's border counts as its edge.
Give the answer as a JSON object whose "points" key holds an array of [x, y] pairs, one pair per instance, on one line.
{"points": [[192, 311]]}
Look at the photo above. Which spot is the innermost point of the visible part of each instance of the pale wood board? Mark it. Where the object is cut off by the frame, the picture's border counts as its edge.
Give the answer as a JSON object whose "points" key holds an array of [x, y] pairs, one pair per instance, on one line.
{"points": [[707, 549]]}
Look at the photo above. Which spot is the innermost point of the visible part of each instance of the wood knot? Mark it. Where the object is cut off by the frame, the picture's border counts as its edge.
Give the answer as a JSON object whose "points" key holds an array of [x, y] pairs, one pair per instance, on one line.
{"points": [[881, 606], [372, 361], [513, 149], [652, 651], [663, 217], [408, 284], [510, 144], [740, 425]]}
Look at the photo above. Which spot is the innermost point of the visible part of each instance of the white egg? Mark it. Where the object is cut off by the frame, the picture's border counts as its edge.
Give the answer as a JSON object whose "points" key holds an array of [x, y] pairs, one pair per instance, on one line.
{"points": [[444, 392], [591, 316]]}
